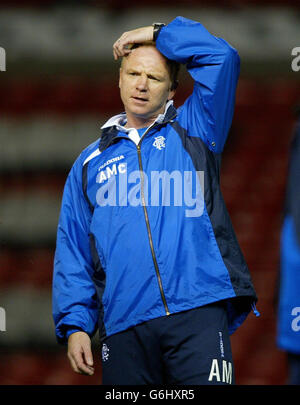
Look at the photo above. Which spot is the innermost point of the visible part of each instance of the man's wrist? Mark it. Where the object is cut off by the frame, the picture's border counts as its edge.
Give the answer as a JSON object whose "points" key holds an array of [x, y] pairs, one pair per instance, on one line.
{"points": [[70, 331], [156, 29]]}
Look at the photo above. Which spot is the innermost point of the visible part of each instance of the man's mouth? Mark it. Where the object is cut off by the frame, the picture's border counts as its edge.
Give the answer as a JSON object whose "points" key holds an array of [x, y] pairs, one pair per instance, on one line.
{"points": [[140, 99]]}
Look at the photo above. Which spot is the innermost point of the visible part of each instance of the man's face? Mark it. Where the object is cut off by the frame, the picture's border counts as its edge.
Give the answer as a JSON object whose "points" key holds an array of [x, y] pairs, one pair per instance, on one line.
{"points": [[145, 83]]}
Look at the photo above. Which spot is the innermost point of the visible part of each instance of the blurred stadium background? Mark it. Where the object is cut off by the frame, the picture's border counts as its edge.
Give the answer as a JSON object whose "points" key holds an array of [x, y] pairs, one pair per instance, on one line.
{"points": [[59, 86]]}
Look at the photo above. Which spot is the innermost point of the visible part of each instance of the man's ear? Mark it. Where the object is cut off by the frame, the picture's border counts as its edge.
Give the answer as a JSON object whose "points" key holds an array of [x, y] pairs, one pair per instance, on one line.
{"points": [[172, 89], [171, 94]]}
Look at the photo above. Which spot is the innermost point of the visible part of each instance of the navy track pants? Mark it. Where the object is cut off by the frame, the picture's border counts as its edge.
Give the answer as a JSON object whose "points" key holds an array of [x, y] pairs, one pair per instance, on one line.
{"points": [[191, 347]]}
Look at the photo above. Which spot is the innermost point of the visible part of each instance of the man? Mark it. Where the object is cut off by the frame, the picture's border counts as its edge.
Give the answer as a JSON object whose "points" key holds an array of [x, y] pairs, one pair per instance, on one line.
{"points": [[165, 283]]}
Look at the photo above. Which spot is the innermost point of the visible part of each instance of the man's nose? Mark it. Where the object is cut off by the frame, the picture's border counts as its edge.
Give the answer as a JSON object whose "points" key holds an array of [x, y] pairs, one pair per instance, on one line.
{"points": [[142, 82]]}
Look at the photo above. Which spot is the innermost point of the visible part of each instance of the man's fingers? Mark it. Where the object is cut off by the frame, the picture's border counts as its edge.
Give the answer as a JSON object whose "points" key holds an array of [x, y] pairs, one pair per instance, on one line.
{"points": [[79, 366], [120, 48], [117, 50], [88, 356], [82, 363], [80, 353], [73, 364]]}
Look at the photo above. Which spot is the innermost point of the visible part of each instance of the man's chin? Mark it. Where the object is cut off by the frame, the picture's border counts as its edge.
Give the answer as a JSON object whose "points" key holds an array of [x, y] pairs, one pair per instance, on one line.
{"points": [[142, 113], [145, 112], [140, 108]]}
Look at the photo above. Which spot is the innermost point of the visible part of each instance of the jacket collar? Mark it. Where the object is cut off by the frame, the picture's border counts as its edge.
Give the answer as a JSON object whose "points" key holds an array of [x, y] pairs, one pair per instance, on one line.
{"points": [[116, 124], [118, 121]]}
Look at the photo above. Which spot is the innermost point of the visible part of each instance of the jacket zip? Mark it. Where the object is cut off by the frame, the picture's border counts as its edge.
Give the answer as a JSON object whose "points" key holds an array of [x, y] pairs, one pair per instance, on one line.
{"points": [[147, 217], [148, 225]]}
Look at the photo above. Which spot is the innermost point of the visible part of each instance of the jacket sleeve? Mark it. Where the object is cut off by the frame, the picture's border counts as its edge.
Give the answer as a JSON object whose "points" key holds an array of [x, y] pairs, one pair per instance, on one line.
{"points": [[214, 66], [74, 299]]}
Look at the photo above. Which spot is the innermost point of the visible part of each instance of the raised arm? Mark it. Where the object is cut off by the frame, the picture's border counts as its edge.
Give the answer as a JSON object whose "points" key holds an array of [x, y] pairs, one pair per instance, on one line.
{"points": [[214, 66]]}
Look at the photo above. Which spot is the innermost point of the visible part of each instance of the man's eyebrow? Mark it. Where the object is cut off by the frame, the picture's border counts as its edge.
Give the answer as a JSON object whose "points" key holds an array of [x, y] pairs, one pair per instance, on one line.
{"points": [[149, 74], [131, 69]]}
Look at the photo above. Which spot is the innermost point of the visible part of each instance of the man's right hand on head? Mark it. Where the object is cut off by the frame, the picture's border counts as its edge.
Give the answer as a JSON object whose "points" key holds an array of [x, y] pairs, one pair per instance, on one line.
{"points": [[121, 46], [80, 353]]}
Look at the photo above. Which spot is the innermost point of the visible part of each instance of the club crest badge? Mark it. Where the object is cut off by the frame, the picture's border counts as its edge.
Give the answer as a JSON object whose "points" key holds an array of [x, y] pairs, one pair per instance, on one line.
{"points": [[159, 142], [105, 352]]}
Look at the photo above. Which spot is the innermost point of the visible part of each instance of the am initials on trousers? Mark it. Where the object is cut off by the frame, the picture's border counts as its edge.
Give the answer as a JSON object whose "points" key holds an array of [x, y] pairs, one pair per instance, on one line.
{"points": [[226, 371]]}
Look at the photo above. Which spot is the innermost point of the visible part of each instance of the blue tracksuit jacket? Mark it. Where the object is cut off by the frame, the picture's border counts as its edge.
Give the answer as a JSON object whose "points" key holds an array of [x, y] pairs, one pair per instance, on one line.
{"points": [[126, 255]]}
